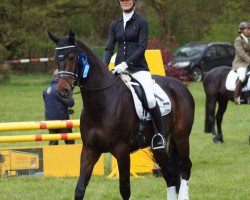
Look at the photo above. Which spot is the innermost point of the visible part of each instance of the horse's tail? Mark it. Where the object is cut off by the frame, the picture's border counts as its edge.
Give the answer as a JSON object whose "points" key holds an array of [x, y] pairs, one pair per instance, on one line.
{"points": [[174, 163]]}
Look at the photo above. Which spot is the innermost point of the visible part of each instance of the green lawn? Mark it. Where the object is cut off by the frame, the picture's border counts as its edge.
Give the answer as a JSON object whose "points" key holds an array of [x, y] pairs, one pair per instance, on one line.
{"points": [[220, 171]]}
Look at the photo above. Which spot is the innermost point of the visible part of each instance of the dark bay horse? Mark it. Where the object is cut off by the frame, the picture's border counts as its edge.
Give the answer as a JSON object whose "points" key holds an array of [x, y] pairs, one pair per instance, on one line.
{"points": [[109, 122], [216, 94]]}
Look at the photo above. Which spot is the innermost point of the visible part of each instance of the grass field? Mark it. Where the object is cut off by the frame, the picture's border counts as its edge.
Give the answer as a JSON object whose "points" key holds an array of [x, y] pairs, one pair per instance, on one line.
{"points": [[220, 171]]}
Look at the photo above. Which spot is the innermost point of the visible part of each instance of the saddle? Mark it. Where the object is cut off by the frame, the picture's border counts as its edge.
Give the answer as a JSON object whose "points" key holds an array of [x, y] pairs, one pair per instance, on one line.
{"points": [[231, 81], [232, 78], [139, 97], [141, 106]]}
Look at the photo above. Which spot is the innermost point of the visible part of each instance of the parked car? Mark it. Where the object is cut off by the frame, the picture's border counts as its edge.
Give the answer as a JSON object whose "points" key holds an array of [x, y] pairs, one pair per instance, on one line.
{"points": [[199, 58]]}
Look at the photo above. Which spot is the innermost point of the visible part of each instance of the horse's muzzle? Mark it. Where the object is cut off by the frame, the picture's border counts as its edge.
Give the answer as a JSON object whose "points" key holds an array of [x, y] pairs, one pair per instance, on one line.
{"points": [[65, 93]]}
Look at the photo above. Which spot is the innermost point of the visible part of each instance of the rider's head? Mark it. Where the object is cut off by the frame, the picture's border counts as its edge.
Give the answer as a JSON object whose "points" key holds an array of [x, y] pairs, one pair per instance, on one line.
{"points": [[243, 26], [127, 5]]}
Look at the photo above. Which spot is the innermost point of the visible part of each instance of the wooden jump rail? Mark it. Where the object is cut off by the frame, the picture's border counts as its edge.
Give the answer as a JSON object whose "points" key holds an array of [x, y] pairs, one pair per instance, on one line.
{"points": [[139, 164], [54, 124], [40, 137]]}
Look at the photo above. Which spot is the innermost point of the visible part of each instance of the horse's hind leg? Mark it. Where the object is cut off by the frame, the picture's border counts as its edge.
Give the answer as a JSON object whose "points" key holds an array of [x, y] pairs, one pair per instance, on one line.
{"points": [[182, 144], [219, 116], [170, 168], [88, 160], [210, 115], [123, 159]]}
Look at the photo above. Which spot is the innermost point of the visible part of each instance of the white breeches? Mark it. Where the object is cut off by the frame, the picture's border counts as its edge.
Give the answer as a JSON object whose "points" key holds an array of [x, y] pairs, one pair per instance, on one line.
{"points": [[144, 77], [242, 73]]}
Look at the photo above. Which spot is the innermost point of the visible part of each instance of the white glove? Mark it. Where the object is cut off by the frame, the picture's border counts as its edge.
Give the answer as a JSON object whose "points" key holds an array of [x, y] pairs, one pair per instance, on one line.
{"points": [[120, 68]]}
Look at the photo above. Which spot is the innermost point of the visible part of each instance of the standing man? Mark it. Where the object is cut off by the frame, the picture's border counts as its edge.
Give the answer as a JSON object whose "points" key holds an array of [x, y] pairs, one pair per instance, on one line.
{"points": [[242, 58], [57, 108]]}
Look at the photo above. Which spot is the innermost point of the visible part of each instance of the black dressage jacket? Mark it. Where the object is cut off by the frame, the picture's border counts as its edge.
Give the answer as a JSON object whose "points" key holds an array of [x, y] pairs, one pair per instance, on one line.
{"points": [[132, 43]]}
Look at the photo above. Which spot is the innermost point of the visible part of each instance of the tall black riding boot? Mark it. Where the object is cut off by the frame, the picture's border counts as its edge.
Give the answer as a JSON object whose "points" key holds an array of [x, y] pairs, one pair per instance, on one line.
{"points": [[158, 141], [237, 92]]}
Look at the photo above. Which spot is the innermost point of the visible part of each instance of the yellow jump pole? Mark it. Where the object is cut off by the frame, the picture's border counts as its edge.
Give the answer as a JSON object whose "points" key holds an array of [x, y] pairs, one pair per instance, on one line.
{"points": [[39, 137], [54, 124]]}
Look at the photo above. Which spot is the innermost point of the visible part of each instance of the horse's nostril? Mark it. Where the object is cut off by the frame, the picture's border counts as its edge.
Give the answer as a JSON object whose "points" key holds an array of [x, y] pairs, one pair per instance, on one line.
{"points": [[64, 93]]}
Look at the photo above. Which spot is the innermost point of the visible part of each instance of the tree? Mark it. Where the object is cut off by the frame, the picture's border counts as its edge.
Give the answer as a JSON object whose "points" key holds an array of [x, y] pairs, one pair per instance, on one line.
{"points": [[24, 23], [225, 27]]}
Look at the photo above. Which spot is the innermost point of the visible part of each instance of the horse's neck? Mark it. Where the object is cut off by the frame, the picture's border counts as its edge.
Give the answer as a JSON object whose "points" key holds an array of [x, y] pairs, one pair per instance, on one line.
{"points": [[96, 92], [99, 75], [98, 104]]}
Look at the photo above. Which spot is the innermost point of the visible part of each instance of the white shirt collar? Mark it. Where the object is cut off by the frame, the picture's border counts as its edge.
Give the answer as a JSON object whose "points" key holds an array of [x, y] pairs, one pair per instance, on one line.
{"points": [[245, 38], [127, 16]]}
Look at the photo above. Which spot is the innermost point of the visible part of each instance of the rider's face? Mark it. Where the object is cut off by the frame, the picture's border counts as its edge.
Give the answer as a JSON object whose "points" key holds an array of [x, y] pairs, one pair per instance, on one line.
{"points": [[246, 32], [126, 4]]}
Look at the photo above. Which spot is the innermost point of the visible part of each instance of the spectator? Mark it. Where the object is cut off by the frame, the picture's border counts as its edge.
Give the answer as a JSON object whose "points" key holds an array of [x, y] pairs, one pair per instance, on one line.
{"points": [[57, 108]]}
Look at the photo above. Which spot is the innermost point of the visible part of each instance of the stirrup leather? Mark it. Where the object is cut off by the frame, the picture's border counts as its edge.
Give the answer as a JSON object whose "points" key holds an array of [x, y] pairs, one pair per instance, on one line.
{"points": [[158, 137]]}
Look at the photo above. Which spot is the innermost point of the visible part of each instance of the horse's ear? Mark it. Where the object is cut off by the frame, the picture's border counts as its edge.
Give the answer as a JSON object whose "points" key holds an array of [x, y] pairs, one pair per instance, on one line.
{"points": [[71, 37], [53, 37]]}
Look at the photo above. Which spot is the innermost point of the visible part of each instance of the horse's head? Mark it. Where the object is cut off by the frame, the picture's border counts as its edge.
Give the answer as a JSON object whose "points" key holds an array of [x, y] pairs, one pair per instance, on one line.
{"points": [[66, 55]]}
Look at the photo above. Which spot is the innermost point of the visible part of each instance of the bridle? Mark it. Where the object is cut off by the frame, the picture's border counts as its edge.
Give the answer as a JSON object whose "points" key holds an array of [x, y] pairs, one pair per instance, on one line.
{"points": [[61, 54]]}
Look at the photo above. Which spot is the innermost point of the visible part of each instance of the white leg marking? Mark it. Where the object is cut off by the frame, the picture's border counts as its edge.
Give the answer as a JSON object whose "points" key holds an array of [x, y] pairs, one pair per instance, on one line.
{"points": [[183, 193], [171, 193]]}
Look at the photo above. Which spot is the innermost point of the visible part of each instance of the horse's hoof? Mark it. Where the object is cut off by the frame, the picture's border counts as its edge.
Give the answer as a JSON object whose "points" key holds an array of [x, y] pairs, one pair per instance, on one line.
{"points": [[217, 141]]}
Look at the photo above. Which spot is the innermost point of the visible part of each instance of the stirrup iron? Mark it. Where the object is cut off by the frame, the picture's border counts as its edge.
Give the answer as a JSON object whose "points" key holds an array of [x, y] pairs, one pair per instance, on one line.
{"points": [[158, 137]]}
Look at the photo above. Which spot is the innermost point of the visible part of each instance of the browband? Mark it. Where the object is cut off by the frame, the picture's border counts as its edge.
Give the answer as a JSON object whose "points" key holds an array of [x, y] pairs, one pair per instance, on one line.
{"points": [[65, 47]]}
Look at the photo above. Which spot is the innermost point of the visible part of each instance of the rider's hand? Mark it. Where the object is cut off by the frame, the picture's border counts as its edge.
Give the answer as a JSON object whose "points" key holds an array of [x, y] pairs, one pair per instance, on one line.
{"points": [[120, 68]]}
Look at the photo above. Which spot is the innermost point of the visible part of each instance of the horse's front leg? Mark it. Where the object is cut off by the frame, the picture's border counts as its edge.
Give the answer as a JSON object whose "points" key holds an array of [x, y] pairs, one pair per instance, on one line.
{"points": [[123, 159], [88, 160], [219, 116]]}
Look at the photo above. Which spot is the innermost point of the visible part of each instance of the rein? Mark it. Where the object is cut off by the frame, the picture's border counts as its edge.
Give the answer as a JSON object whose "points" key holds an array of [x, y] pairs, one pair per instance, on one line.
{"points": [[100, 88]]}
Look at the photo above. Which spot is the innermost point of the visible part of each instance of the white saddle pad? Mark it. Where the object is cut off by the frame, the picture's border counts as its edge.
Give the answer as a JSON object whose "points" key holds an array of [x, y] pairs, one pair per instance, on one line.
{"points": [[231, 82], [161, 98]]}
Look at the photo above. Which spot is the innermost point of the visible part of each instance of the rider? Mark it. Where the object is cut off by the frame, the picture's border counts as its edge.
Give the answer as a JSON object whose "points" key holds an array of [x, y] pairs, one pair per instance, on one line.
{"points": [[130, 31], [242, 58]]}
